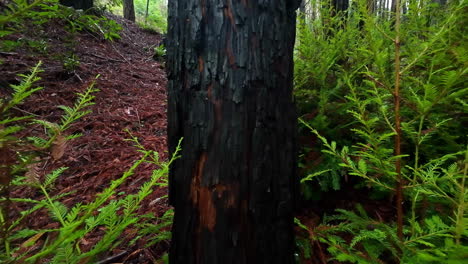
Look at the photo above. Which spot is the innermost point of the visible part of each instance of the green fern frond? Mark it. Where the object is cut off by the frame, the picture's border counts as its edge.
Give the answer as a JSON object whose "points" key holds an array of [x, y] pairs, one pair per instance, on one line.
{"points": [[24, 89], [8, 120], [7, 131], [58, 210], [73, 136], [37, 141], [77, 111], [46, 124], [73, 213], [52, 177], [23, 233], [375, 234]]}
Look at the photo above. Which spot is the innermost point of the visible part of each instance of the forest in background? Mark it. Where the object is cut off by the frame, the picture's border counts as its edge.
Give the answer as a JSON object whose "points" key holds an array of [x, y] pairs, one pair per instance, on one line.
{"points": [[151, 15], [368, 81]]}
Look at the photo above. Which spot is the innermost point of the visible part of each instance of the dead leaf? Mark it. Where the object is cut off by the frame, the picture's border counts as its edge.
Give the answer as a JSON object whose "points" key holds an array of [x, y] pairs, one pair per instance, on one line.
{"points": [[28, 245], [32, 240], [32, 175], [58, 147]]}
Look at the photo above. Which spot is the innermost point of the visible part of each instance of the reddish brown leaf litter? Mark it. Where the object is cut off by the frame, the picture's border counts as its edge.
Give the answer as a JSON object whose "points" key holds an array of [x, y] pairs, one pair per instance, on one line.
{"points": [[132, 96]]}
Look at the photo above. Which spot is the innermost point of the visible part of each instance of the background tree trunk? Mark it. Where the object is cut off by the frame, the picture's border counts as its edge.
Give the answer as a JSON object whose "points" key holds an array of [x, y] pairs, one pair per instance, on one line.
{"points": [[340, 5], [230, 71], [78, 4], [129, 10]]}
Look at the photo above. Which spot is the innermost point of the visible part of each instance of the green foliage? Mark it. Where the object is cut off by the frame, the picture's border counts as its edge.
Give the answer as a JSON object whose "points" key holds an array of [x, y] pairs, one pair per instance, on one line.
{"points": [[70, 63], [20, 15], [156, 16], [100, 26], [18, 9], [154, 19], [18, 169], [81, 21], [61, 244], [21, 91], [345, 80], [159, 52], [55, 132], [344, 75], [374, 237]]}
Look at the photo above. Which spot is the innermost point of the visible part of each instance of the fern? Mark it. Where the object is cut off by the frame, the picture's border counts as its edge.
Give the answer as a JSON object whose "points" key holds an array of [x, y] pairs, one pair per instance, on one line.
{"points": [[361, 110], [71, 114], [21, 92]]}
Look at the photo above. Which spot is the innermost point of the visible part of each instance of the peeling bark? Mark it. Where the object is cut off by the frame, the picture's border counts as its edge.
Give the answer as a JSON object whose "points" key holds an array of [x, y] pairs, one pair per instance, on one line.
{"points": [[230, 71]]}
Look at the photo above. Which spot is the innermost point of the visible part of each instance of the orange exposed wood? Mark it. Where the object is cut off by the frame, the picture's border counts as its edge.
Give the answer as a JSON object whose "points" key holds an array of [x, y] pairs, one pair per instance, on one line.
{"points": [[230, 16], [202, 196], [201, 64]]}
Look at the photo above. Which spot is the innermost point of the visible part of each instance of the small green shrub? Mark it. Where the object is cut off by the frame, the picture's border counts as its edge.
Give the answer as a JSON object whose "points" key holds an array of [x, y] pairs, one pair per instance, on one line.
{"points": [[159, 52], [348, 69], [70, 63], [21, 14]]}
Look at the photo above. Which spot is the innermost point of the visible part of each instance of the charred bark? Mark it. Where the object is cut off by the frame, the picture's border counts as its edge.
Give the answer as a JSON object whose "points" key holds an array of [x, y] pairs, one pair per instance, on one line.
{"points": [[230, 71]]}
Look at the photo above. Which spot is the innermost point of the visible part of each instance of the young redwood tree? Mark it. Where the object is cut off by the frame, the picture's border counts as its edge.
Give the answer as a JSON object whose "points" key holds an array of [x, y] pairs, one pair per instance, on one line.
{"points": [[230, 71]]}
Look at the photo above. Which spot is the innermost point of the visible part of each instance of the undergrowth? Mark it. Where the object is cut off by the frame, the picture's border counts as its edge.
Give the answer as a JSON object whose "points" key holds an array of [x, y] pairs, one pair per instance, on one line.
{"points": [[110, 211], [150, 15], [63, 240], [21, 16], [385, 97]]}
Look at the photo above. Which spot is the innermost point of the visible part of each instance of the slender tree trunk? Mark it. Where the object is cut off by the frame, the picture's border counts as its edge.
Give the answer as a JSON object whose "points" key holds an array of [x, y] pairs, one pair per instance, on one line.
{"points": [[340, 5], [230, 70], [393, 6], [129, 10], [371, 6], [398, 136]]}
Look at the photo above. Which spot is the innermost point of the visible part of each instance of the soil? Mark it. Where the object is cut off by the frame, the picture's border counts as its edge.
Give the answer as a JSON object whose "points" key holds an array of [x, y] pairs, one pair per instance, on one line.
{"points": [[131, 96]]}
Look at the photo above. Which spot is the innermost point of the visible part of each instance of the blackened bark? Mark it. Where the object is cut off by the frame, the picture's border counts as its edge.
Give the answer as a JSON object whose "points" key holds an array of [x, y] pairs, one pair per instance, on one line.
{"points": [[78, 4], [129, 10], [230, 71]]}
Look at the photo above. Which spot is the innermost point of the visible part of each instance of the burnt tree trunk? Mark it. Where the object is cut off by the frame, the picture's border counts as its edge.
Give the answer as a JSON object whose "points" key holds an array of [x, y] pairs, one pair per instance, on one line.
{"points": [[129, 10], [230, 71], [78, 4]]}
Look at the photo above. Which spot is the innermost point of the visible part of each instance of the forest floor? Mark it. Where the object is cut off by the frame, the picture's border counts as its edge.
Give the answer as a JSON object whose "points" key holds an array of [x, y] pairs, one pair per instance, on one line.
{"points": [[132, 96]]}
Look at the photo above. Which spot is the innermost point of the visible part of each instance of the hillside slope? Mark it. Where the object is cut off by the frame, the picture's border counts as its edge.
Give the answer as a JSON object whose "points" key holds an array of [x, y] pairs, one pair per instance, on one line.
{"points": [[132, 96]]}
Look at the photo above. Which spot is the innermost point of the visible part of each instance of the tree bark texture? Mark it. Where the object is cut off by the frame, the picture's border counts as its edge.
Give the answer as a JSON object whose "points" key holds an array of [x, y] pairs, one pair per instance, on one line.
{"points": [[78, 4], [230, 72], [129, 10]]}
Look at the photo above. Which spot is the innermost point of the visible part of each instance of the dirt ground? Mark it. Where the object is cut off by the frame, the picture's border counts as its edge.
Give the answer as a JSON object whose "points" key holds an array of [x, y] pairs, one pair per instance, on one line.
{"points": [[132, 96]]}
